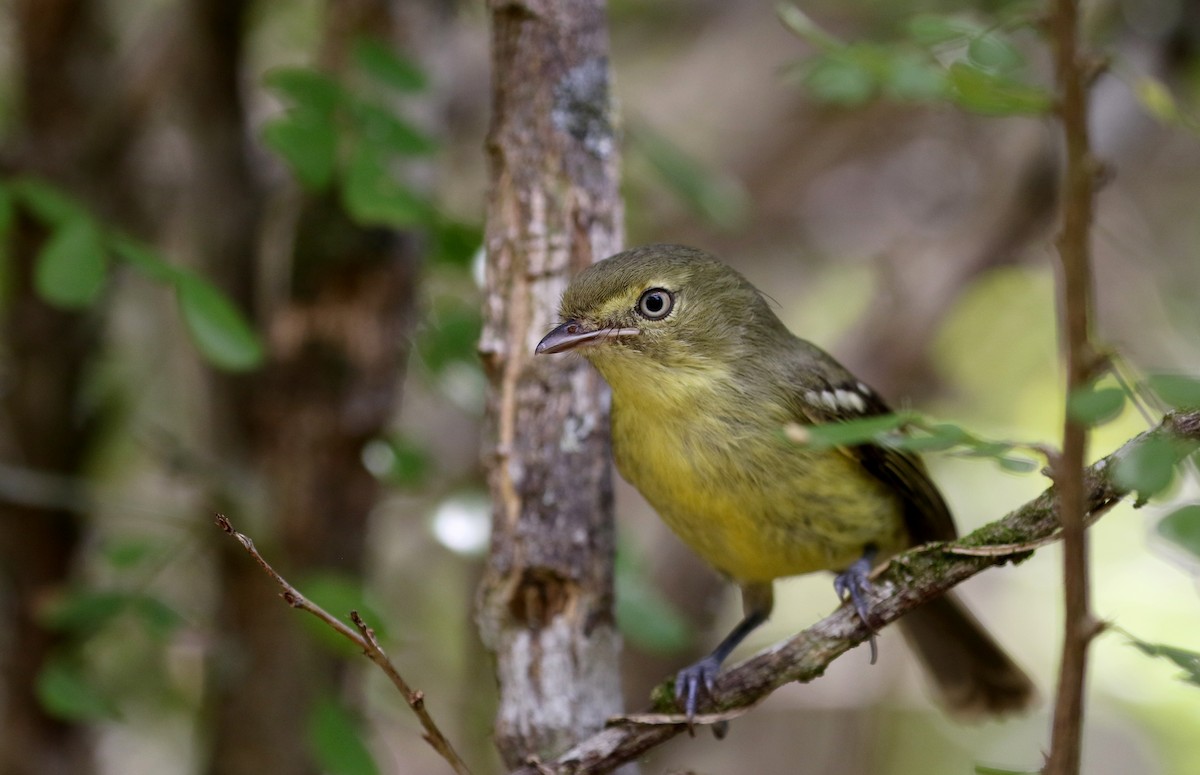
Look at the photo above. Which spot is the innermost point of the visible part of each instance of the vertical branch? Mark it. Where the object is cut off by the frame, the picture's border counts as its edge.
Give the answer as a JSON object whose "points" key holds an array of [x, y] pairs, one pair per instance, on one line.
{"points": [[1073, 77], [545, 603]]}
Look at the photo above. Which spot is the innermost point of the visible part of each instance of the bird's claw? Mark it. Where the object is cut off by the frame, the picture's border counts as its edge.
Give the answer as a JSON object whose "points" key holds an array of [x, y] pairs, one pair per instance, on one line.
{"points": [[855, 583], [690, 680]]}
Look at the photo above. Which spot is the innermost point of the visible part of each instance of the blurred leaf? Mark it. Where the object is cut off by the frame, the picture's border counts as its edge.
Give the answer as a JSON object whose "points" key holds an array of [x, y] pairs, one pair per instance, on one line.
{"points": [[410, 464], [995, 95], [385, 132], [1148, 468], [84, 611], [932, 30], [128, 553], [451, 335], [911, 77], [159, 619], [373, 197], [386, 66], [990, 51], [48, 203], [1157, 99], [65, 692], [142, 258], [216, 327], [307, 89], [1188, 661], [336, 740], [645, 618], [71, 267], [1017, 465], [455, 243], [804, 27], [941, 436], [852, 432], [308, 143], [719, 199], [1092, 406], [983, 769], [338, 594], [1176, 390], [841, 79], [1182, 527]]}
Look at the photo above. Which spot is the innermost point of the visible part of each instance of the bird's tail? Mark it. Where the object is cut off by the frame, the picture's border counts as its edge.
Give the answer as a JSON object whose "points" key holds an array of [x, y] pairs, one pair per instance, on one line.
{"points": [[974, 677]]}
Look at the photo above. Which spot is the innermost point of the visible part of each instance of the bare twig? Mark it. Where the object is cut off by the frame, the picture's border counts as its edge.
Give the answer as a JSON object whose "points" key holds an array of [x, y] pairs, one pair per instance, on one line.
{"points": [[1073, 75], [364, 638], [909, 580]]}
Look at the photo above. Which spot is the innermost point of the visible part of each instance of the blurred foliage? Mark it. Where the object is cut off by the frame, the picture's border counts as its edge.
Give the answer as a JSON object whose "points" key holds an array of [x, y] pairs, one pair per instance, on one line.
{"points": [[646, 618], [72, 271], [938, 58], [336, 739]]}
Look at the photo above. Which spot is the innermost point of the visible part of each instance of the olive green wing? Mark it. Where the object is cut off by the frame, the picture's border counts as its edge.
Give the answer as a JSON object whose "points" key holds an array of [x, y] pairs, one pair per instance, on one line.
{"points": [[834, 395]]}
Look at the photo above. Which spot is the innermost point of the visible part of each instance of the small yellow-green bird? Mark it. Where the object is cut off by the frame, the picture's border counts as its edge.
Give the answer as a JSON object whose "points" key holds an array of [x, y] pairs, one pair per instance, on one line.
{"points": [[704, 378]]}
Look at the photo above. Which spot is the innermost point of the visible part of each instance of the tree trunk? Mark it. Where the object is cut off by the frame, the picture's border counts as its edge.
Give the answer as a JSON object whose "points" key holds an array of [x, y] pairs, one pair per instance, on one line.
{"points": [[546, 598]]}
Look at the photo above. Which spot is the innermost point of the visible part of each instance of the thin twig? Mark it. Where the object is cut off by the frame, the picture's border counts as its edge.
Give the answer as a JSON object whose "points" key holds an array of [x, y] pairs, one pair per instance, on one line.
{"points": [[364, 638], [908, 581], [1075, 304]]}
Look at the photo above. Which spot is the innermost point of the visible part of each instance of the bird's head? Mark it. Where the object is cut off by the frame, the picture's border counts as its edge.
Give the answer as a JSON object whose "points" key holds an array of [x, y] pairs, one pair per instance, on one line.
{"points": [[661, 308]]}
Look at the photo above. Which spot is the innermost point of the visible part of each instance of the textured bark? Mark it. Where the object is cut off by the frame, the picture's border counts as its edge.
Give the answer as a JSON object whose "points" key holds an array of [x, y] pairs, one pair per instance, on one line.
{"points": [[546, 599]]}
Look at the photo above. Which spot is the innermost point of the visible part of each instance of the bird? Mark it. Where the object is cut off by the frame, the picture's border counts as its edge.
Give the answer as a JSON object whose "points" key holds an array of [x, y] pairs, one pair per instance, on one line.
{"points": [[704, 377]]}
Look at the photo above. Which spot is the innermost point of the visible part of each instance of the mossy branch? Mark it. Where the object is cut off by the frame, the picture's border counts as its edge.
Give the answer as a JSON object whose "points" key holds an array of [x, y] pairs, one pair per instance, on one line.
{"points": [[904, 583]]}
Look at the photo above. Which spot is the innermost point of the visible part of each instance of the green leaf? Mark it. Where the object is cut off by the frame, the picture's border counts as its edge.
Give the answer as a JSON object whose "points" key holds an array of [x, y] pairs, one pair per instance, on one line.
{"points": [[933, 30], [1189, 661], [1148, 468], [644, 616], [852, 432], [941, 436], [216, 327], [383, 64], [66, 692], [84, 612], [1176, 390], [307, 89], [990, 51], [914, 78], [336, 740], [804, 27], [159, 619], [410, 464], [995, 95], [308, 143], [1092, 406], [841, 79], [1017, 465], [48, 203], [373, 197], [126, 554], [1182, 527], [1157, 99], [387, 133], [142, 258], [8, 212], [450, 336], [455, 243], [71, 267]]}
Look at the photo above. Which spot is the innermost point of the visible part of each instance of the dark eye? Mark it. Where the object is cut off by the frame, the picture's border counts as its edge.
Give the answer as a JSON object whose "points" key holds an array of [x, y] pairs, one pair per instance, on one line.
{"points": [[655, 304]]}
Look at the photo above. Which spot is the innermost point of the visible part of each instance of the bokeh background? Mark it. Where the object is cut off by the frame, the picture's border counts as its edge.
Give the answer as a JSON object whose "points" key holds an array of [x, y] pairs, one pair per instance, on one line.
{"points": [[910, 237]]}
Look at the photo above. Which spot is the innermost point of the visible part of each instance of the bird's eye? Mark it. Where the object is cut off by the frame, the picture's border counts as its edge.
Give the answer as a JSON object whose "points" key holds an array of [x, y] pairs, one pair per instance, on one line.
{"points": [[655, 304]]}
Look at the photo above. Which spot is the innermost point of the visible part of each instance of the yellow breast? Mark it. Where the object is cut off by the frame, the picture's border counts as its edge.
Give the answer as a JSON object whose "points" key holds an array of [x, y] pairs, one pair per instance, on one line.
{"points": [[753, 505]]}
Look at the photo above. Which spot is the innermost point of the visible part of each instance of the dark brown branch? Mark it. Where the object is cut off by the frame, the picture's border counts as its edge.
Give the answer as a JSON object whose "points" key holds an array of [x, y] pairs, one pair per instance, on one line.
{"points": [[906, 582], [364, 638], [1075, 291]]}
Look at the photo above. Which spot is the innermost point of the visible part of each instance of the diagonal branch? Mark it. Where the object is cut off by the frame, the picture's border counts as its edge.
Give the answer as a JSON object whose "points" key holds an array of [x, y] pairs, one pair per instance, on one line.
{"points": [[364, 638], [907, 581]]}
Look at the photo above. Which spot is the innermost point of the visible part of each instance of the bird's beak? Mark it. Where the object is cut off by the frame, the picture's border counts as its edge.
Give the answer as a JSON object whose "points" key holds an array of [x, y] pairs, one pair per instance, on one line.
{"points": [[574, 334]]}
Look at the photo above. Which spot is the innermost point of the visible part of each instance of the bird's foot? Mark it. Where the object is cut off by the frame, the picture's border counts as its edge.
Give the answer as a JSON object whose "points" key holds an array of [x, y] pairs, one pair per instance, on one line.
{"points": [[855, 583], [690, 680]]}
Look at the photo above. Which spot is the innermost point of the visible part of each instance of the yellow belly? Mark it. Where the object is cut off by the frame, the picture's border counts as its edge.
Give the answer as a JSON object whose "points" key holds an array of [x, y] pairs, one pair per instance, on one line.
{"points": [[753, 505]]}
